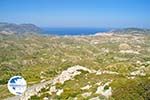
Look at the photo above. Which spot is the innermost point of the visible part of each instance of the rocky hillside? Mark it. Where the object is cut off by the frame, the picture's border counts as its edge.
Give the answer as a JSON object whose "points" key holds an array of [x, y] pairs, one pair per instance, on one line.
{"points": [[10, 28], [115, 67]]}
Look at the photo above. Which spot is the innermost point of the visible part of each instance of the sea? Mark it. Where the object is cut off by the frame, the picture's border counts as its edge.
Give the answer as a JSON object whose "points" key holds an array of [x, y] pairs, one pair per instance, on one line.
{"points": [[73, 31]]}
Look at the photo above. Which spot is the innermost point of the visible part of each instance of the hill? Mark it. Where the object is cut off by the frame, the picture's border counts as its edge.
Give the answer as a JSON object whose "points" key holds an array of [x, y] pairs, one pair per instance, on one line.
{"points": [[131, 31], [11, 28], [106, 67]]}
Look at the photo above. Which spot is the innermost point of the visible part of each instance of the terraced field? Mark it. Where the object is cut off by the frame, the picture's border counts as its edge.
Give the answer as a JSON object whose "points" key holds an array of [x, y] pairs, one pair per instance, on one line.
{"points": [[105, 67]]}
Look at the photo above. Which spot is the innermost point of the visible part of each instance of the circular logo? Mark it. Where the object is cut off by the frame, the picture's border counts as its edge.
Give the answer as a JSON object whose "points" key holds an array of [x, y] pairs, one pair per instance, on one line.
{"points": [[17, 85]]}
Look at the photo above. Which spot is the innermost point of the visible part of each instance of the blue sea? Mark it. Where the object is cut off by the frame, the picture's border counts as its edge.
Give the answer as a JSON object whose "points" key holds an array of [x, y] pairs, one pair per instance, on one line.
{"points": [[73, 31]]}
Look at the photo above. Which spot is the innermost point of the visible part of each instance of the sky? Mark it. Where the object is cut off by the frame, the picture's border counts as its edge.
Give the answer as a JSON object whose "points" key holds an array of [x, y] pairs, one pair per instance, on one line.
{"points": [[77, 13]]}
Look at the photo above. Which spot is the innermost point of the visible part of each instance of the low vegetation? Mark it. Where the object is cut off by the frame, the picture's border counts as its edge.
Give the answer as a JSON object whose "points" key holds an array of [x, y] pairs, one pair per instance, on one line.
{"points": [[41, 58]]}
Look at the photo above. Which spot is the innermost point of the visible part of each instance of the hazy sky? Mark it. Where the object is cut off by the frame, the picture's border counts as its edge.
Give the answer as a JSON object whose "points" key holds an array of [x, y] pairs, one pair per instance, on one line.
{"points": [[77, 13]]}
